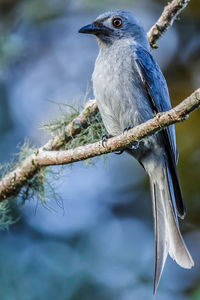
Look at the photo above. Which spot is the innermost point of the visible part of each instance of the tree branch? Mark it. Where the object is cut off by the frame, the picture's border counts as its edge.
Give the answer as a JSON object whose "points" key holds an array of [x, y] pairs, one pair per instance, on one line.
{"points": [[11, 184], [16, 179], [169, 14]]}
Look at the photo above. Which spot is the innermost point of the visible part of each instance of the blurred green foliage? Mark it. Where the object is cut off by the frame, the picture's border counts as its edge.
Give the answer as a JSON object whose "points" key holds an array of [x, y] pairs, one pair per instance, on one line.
{"points": [[196, 294]]}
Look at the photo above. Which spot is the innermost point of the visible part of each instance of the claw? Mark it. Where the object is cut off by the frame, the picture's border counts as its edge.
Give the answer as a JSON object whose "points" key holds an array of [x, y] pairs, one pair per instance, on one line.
{"points": [[127, 128], [104, 139], [136, 146], [119, 152]]}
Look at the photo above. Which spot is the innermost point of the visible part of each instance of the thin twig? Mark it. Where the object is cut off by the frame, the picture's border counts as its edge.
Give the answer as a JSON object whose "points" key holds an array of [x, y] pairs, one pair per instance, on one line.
{"points": [[169, 14]]}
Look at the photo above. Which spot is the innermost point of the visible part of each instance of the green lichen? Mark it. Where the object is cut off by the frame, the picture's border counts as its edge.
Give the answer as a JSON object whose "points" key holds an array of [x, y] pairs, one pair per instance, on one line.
{"points": [[23, 152], [6, 218], [34, 187], [68, 113], [91, 134], [42, 185]]}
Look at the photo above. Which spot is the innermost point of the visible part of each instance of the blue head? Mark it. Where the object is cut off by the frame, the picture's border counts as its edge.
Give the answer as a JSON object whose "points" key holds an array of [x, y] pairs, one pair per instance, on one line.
{"points": [[115, 25]]}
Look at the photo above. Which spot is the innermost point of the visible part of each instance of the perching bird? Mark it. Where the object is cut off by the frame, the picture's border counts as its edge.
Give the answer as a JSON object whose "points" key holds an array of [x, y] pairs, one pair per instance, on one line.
{"points": [[130, 89]]}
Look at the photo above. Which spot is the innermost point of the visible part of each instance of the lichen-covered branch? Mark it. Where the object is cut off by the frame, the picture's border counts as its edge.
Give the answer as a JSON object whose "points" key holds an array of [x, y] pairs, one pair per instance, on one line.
{"points": [[73, 128], [15, 180], [29, 170], [166, 20]]}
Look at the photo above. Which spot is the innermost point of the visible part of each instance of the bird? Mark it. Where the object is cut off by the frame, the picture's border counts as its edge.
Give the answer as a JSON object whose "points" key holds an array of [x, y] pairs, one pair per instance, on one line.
{"points": [[129, 88]]}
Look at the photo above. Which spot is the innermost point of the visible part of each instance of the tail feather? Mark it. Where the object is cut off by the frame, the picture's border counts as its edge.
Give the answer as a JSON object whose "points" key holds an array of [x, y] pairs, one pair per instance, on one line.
{"points": [[177, 250], [168, 238], [161, 242]]}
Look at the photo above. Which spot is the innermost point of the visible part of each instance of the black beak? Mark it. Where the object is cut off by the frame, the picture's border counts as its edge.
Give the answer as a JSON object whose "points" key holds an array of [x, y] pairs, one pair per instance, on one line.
{"points": [[95, 29], [90, 29]]}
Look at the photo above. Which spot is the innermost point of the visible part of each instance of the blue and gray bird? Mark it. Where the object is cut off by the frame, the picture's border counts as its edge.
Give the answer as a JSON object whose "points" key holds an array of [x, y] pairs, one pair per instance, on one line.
{"points": [[130, 89]]}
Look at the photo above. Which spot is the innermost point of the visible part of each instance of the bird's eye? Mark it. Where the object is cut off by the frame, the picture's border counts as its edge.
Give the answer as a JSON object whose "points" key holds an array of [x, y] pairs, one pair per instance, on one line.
{"points": [[117, 22]]}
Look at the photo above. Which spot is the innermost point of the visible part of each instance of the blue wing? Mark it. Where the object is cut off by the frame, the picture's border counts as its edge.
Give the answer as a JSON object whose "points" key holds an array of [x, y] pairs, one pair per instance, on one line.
{"points": [[156, 88], [158, 96]]}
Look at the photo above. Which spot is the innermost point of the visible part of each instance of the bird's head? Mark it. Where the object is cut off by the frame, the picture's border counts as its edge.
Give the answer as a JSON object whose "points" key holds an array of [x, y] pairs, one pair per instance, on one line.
{"points": [[115, 25]]}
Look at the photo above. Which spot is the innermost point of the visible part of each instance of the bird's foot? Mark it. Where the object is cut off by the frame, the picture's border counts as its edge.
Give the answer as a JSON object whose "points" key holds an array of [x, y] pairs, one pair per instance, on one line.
{"points": [[136, 146], [127, 128], [104, 139]]}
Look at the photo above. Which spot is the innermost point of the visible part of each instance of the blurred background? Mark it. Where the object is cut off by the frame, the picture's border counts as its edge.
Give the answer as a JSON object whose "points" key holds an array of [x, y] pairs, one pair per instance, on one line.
{"points": [[99, 243]]}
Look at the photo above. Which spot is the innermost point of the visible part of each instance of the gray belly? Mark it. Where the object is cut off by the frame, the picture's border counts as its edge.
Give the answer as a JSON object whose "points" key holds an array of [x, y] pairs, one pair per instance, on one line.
{"points": [[123, 102], [120, 96]]}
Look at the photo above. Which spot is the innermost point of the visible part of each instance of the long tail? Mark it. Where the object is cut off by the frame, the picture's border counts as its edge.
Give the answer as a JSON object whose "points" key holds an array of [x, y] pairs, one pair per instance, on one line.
{"points": [[168, 238]]}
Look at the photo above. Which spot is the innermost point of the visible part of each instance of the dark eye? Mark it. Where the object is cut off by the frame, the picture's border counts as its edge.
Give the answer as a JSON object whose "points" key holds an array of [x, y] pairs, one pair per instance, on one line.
{"points": [[117, 22]]}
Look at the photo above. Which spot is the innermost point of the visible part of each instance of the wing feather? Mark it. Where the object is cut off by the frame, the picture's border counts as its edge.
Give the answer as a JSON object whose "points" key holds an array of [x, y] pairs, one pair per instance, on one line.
{"points": [[158, 97]]}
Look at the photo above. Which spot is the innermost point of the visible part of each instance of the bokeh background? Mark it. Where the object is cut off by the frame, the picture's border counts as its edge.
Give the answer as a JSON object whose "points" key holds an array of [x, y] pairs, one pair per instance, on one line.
{"points": [[98, 244]]}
